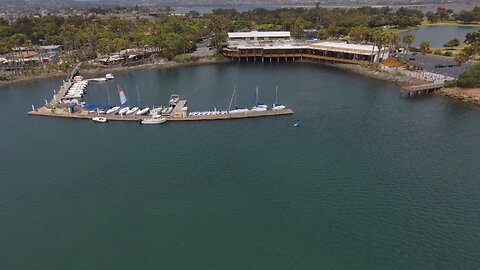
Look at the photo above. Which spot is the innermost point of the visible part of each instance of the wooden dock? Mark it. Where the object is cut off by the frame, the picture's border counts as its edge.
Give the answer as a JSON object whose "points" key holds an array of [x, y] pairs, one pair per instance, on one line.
{"points": [[179, 113], [415, 90]]}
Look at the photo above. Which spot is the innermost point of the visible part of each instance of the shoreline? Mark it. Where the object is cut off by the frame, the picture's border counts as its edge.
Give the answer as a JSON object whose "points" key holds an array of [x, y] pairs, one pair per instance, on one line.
{"points": [[122, 69], [471, 96]]}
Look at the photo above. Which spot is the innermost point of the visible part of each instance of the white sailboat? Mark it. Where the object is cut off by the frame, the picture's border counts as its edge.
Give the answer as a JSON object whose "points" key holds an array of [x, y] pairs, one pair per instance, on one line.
{"points": [[237, 109], [123, 102], [276, 106], [258, 107], [113, 110], [143, 111], [131, 111]]}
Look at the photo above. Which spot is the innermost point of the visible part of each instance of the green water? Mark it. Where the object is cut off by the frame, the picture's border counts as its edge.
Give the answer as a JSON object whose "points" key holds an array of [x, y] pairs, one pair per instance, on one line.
{"points": [[370, 180], [439, 35]]}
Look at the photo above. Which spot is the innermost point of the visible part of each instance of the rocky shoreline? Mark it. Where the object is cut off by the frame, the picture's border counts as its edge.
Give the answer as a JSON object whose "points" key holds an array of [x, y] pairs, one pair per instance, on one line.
{"points": [[471, 95]]}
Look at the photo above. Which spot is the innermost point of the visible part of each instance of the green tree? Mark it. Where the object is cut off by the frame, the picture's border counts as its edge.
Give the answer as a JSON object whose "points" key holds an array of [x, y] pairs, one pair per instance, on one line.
{"points": [[452, 43]]}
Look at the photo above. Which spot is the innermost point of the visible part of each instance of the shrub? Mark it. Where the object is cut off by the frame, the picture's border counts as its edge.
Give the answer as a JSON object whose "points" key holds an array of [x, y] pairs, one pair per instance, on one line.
{"points": [[438, 52], [450, 84], [470, 78], [448, 53], [185, 58]]}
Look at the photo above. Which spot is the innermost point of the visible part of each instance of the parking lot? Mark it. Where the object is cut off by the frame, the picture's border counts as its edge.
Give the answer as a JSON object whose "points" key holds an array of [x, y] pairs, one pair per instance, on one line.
{"points": [[428, 63]]}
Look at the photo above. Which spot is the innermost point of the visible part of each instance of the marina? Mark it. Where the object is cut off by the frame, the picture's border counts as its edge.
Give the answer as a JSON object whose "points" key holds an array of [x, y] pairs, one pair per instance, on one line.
{"points": [[67, 103]]}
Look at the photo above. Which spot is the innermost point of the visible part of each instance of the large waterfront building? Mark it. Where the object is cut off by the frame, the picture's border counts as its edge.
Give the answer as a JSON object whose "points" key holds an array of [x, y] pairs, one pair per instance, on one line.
{"points": [[278, 45]]}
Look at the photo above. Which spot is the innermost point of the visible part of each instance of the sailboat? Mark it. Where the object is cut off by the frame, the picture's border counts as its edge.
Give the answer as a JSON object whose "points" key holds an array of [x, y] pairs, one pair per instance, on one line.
{"points": [[276, 105], [141, 111], [123, 101], [258, 107], [237, 109]]}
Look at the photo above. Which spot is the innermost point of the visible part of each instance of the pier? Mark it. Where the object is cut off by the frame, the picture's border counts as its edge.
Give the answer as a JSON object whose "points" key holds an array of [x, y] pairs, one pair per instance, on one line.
{"points": [[179, 113], [416, 90], [63, 106]]}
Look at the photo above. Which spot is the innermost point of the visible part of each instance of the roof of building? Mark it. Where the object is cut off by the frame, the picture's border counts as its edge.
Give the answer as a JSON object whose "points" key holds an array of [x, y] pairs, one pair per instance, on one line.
{"points": [[345, 47], [263, 34]]}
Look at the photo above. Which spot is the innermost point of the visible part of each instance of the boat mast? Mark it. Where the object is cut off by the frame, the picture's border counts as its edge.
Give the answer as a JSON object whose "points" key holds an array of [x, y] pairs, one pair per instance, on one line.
{"points": [[233, 95], [256, 96], [108, 95], [276, 94], [138, 97]]}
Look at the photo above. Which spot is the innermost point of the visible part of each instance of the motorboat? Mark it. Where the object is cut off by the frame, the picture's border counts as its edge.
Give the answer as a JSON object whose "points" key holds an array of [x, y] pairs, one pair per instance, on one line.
{"points": [[174, 99], [109, 76], [132, 111], [113, 110], [99, 119], [123, 111], [156, 119], [143, 111], [99, 79], [156, 111]]}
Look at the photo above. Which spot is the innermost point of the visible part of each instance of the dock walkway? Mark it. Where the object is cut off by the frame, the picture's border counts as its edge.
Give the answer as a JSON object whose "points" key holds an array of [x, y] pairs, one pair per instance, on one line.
{"points": [[420, 89], [178, 114]]}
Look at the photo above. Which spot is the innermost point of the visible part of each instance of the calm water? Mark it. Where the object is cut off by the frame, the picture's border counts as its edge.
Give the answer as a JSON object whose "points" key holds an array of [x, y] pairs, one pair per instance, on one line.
{"points": [[370, 181], [439, 35]]}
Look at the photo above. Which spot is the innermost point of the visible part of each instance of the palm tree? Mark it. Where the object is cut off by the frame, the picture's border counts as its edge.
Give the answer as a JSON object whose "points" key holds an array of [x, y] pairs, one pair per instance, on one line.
{"points": [[461, 58], [408, 39]]}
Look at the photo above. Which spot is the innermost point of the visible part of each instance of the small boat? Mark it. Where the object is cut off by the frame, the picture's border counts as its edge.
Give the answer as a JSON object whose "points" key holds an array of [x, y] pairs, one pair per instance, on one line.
{"points": [[156, 119], [257, 106], [132, 111], [113, 110], [276, 106], [124, 110], [109, 76], [99, 79], [99, 119], [174, 99], [298, 123], [234, 98], [156, 111], [143, 111]]}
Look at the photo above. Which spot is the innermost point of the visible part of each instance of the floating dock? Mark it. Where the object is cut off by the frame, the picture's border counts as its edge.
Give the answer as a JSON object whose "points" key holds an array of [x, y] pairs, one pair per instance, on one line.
{"points": [[179, 111]]}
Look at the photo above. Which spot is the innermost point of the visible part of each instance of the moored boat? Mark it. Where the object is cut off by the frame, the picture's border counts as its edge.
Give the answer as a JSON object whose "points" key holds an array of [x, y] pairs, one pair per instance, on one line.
{"points": [[123, 111], [113, 110], [132, 111], [143, 111], [109, 76], [156, 119], [276, 106], [99, 119]]}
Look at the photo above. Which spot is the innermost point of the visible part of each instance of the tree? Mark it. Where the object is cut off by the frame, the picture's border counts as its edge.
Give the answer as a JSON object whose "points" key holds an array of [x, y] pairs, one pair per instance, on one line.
{"points": [[470, 78], [452, 43], [425, 46], [461, 58], [408, 39]]}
